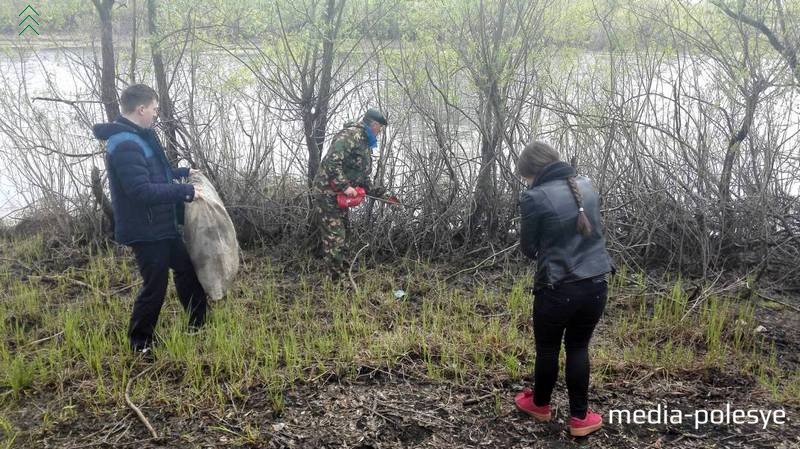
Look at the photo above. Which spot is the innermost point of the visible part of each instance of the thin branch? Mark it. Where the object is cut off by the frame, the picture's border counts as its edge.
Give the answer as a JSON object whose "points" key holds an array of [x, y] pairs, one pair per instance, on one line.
{"points": [[133, 406]]}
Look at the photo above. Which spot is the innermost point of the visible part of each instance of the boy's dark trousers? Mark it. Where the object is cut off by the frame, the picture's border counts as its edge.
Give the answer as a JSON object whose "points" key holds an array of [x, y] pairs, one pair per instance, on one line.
{"points": [[154, 260]]}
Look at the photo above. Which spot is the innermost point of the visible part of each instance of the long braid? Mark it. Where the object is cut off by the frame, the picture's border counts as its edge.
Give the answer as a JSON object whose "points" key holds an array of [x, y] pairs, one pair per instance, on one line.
{"points": [[584, 226]]}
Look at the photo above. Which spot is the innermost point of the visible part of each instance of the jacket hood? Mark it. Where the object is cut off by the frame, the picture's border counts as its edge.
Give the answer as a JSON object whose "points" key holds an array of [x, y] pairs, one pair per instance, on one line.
{"points": [[104, 131]]}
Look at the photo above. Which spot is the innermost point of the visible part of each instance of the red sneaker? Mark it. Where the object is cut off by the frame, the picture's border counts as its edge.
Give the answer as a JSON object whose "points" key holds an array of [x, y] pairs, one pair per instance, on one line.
{"points": [[582, 427], [524, 402]]}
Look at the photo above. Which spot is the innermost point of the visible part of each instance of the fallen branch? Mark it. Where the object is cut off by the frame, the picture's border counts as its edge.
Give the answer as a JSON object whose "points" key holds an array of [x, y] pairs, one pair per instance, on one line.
{"points": [[133, 406], [481, 263], [42, 340], [56, 278], [375, 411], [122, 289], [116, 443], [418, 414], [352, 262], [769, 298], [473, 401]]}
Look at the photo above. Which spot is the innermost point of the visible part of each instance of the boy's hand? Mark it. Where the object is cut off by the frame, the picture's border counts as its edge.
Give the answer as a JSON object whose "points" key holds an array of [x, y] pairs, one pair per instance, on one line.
{"points": [[350, 192], [198, 192]]}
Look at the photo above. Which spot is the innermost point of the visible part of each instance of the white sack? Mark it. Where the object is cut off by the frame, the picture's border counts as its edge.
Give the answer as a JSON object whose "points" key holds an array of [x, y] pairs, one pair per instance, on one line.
{"points": [[211, 239]]}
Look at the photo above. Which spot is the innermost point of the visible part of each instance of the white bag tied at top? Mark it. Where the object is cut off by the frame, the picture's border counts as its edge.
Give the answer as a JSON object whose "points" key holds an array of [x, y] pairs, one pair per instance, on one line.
{"points": [[211, 239]]}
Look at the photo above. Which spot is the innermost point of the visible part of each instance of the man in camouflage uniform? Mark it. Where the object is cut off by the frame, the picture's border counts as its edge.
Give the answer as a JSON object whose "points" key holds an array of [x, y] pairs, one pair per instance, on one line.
{"points": [[347, 165]]}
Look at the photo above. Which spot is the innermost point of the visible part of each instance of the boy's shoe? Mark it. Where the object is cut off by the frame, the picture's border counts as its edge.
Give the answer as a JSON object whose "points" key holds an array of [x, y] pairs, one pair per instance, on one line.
{"points": [[145, 353], [582, 427], [524, 402]]}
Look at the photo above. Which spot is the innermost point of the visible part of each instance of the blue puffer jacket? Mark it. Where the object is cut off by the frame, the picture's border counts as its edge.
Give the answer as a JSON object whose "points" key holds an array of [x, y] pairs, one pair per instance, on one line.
{"points": [[144, 196]]}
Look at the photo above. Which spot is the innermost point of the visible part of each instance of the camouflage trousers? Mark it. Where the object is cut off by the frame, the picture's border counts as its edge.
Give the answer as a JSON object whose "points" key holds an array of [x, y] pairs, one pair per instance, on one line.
{"points": [[332, 227]]}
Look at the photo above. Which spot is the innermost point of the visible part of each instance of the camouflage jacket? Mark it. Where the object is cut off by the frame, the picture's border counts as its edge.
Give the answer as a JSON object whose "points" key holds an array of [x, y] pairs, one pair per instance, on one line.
{"points": [[348, 162]]}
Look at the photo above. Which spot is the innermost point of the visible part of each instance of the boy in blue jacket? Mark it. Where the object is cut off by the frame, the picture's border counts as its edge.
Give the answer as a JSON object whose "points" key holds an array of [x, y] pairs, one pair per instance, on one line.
{"points": [[146, 200]]}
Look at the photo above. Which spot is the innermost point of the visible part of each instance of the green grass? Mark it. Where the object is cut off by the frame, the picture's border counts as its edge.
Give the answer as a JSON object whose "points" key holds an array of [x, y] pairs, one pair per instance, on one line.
{"points": [[669, 333], [8, 433], [276, 333]]}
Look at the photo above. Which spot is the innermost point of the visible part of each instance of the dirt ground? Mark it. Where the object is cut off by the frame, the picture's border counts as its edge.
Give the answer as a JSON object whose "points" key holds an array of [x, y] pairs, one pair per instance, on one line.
{"points": [[400, 409], [393, 410]]}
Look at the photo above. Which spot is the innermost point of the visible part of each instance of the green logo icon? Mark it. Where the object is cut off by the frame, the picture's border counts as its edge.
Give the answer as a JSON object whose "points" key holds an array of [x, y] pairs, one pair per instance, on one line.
{"points": [[25, 19]]}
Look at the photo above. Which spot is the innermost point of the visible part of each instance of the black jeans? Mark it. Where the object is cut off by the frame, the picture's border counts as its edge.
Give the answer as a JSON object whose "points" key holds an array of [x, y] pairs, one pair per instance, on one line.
{"points": [[154, 260], [569, 312]]}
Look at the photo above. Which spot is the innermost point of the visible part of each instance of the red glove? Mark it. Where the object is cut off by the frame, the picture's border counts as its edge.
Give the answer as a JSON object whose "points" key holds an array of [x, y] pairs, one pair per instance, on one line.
{"points": [[392, 200], [345, 201]]}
